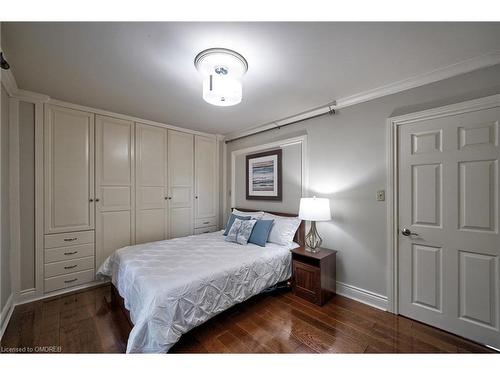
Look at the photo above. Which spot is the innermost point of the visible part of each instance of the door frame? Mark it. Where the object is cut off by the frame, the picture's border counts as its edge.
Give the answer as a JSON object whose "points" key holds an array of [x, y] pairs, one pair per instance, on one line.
{"points": [[393, 125]]}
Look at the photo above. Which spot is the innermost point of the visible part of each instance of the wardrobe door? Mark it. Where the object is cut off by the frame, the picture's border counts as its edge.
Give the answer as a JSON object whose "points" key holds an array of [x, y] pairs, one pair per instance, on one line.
{"points": [[205, 180], [69, 169], [115, 197], [180, 176], [151, 182]]}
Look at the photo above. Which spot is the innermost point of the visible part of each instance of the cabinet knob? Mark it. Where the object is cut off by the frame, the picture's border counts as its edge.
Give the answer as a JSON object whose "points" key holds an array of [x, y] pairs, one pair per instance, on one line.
{"points": [[97, 199], [196, 196], [91, 200]]}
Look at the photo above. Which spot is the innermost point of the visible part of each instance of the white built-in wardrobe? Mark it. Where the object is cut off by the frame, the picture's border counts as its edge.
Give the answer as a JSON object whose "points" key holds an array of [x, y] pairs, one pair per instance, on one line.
{"points": [[111, 182]]}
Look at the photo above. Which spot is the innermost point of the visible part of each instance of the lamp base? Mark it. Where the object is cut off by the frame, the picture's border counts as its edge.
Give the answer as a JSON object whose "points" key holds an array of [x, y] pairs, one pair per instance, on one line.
{"points": [[309, 250], [313, 240]]}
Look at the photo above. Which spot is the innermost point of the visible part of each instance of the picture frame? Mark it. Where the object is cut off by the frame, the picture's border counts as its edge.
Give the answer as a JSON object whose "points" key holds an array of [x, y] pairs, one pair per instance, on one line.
{"points": [[264, 176]]}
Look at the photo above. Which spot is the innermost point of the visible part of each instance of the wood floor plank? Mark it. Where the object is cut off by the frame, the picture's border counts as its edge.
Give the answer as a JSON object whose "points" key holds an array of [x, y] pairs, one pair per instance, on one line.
{"points": [[311, 333], [85, 322]]}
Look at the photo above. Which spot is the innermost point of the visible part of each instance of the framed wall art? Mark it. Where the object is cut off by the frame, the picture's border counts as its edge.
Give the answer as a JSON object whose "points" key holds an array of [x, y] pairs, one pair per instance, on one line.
{"points": [[264, 176]]}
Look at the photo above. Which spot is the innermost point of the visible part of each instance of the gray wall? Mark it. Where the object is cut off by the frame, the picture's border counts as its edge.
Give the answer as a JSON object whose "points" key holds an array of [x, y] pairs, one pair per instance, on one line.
{"points": [[292, 182], [27, 193], [4, 196], [347, 162]]}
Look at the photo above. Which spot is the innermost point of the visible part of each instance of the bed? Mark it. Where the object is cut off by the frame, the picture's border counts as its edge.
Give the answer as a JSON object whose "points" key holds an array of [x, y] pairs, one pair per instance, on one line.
{"points": [[166, 288]]}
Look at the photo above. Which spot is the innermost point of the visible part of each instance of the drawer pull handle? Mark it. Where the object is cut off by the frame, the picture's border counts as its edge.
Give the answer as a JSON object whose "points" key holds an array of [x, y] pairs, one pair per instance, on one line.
{"points": [[70, 239], [207, 231], [70, 267], [206, 222], [71, 253], [70, 281]]}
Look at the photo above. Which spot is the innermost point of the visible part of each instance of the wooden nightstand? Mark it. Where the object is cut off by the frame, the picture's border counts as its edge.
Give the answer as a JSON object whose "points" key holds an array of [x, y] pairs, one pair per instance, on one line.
{"points": [[313, 274]]}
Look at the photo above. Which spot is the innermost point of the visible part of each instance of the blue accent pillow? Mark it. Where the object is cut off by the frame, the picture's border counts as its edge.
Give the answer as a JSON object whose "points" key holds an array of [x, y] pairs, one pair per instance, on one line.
{"points": [[230, 221], [260, 232]]}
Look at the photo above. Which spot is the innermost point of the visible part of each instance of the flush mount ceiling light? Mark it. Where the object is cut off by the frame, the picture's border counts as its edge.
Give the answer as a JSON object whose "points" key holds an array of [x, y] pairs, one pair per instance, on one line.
{"points": [[222, 70]]}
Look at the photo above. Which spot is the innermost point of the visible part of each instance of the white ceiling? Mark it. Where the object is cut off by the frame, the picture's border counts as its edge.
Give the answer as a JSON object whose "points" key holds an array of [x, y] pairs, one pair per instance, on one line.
{"points": [[146, 69]]}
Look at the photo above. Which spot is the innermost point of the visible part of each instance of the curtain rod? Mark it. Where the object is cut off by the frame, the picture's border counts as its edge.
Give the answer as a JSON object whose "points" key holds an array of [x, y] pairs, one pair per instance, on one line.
{"points": [[327, 110]]}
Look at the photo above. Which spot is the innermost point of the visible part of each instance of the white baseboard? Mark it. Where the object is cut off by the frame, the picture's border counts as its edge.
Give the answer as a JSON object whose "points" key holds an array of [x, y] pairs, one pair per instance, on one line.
{"points": [[6, 314], [361, 295]]}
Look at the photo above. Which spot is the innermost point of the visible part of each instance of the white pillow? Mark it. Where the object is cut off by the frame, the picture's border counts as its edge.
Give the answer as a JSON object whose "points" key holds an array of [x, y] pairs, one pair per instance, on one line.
{"points": [[283, 229], [253, 214]]}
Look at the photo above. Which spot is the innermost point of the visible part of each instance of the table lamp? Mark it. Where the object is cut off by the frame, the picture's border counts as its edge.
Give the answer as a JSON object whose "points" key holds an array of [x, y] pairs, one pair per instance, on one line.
{"points": [[314, 209]]}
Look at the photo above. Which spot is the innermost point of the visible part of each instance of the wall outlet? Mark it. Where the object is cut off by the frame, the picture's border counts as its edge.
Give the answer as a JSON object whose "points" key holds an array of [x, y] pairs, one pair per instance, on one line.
{"points": [[381, 195]]}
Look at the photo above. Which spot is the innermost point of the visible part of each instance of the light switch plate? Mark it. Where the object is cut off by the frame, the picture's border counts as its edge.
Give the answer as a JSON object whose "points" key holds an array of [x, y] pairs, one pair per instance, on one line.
{"points": [[381, 195]]}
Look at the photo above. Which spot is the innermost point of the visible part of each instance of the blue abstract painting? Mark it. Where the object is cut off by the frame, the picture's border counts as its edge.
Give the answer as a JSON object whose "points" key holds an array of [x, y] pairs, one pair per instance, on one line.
{"points": [[263, 176]]}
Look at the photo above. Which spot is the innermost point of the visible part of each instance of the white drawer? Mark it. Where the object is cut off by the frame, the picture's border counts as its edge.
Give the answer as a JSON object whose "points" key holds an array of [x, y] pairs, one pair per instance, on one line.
{"points": [[68, 266], [205, 230], [69, 252], [67, 281], [201, 223], [68, 239]]}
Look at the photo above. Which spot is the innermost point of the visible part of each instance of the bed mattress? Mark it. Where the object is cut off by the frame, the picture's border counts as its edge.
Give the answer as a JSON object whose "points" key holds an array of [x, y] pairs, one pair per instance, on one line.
{"points": [[172, 286]]}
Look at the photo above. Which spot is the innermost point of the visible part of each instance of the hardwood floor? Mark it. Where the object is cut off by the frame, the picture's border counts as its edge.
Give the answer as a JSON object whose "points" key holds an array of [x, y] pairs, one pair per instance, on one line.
{"points": [[84, 322]]}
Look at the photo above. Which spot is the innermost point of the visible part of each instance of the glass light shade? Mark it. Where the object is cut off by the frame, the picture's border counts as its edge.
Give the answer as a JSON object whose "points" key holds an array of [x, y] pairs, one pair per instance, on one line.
{"points": [[315, 209], [222, 91]]}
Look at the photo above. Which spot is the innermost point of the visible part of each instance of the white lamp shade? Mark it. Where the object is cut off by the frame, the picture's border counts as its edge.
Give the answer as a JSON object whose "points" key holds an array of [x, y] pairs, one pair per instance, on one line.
{"points": [[315, 209], [222, 91]]}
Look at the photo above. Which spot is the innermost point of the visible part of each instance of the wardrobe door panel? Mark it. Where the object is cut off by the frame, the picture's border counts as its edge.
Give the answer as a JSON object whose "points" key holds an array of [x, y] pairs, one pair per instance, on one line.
{"points": [[150, 225], [114, 230], [181, 181], [181, 158], [181, 197], [114, 185], [69, 169], [181, 222], [151, 182], [205, 177]]}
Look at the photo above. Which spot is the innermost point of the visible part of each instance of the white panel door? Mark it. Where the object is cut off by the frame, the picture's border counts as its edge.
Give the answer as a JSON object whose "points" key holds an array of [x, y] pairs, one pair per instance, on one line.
{"points": [[181, 180], [151, 183], [69, 169], [205, 151], [448, 198], [115, 216]]}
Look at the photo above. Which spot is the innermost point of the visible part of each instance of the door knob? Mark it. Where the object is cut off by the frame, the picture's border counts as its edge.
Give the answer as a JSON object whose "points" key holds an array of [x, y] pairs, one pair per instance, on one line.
{"points": [[407, 232]]}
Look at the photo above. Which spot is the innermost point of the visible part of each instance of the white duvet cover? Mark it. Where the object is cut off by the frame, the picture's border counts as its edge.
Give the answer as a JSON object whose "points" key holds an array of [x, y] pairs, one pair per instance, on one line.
{"points": [[172, 286]]}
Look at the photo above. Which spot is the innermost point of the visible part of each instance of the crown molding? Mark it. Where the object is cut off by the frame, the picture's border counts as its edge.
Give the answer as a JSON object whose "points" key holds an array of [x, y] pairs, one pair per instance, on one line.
{"points": [[10, 85], [30, 96], [436, 75], [462, 67]]}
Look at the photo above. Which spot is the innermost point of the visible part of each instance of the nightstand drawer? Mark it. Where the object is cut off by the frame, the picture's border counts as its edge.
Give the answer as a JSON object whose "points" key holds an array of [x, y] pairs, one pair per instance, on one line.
{"points": [[202, 223], [314, 274], [307, 281]]}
